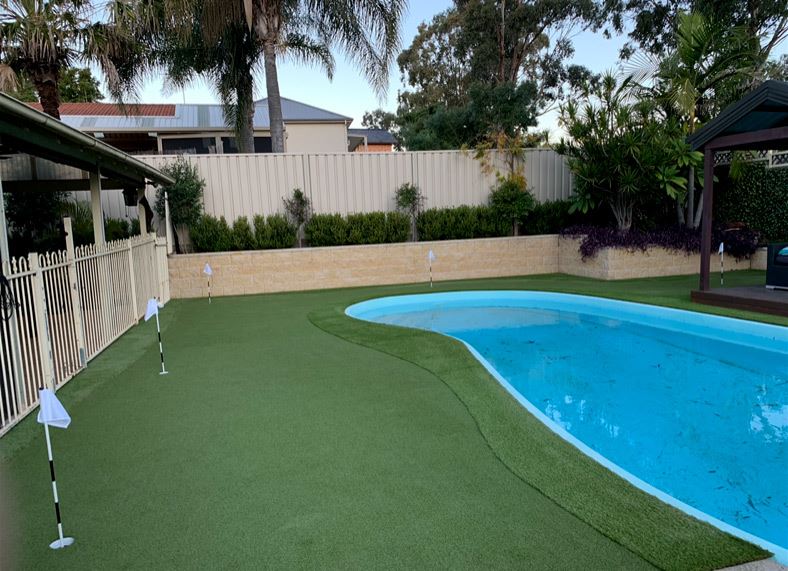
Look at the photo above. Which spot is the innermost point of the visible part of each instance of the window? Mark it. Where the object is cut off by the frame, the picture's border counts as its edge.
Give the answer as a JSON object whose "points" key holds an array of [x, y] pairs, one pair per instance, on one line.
{"points": [[261, 145], [189, 146]]}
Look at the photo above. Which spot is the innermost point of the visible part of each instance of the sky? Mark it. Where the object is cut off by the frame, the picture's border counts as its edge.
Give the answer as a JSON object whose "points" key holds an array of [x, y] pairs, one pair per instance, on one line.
{"points": [[349, 93]]}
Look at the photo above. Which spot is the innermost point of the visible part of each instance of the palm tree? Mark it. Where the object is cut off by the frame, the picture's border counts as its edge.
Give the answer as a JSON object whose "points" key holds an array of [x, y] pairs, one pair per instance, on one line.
{"points": [[40, 39], [366, 31], [708, 61], [212, 39]]}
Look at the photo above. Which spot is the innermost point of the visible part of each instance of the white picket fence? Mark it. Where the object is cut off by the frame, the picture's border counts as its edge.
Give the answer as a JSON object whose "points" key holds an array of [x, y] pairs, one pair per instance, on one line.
{"points": [[69, 306]]}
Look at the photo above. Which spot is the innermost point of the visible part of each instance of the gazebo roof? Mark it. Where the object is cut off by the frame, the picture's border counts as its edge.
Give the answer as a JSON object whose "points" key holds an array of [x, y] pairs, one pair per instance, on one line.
{"points": [[763, 110]]}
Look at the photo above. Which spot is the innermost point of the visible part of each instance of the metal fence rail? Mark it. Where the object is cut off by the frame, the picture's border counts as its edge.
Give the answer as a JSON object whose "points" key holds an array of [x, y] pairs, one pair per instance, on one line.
{"points": [[70, 305]]}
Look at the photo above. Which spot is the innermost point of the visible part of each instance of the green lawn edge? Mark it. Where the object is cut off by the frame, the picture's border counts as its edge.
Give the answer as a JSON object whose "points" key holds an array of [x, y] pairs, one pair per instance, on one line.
{"points": [[657, 532]]}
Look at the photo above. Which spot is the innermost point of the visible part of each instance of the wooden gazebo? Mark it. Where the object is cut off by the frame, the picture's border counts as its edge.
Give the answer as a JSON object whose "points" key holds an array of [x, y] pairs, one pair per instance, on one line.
{"points": [[758, 121]]}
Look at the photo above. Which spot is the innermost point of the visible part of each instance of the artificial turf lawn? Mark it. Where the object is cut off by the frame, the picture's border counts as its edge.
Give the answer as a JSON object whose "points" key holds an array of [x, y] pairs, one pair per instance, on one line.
{"points": [[274, 443]]}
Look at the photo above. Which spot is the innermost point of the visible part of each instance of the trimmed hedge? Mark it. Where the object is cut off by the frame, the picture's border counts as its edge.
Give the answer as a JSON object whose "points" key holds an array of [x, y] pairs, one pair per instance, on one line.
{"points": [[462, 222], [210, 234], [757, 198], [274, 232], [370, 228]]}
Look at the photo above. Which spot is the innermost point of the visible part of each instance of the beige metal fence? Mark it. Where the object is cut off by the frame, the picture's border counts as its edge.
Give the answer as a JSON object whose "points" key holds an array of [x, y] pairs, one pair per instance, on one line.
{"points": [[69, 306], [245, 185]]}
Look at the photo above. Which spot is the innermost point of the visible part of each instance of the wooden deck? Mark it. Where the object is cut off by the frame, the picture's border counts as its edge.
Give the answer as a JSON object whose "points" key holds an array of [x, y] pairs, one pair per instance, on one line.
{"points": [[749, 298]]}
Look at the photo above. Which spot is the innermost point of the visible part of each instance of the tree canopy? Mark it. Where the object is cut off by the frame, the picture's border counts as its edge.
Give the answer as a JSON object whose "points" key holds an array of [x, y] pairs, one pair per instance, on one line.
{"points": [[487, 67]]}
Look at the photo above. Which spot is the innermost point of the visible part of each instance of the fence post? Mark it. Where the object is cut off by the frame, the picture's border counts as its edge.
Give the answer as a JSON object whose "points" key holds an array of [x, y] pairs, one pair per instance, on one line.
{"points": [[42, 323], [167, 223], [76, 302], [133, 282]]}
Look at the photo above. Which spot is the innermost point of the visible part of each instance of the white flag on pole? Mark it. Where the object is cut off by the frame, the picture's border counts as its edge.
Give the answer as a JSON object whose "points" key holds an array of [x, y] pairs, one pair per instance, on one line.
{"points": [[152, 308], [51, 411], [722, 248], [207, 270], [431, 257]]}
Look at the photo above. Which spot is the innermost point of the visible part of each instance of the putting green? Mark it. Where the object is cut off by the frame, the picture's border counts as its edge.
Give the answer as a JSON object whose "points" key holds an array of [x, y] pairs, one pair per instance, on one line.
{"points": [[276, 442]]}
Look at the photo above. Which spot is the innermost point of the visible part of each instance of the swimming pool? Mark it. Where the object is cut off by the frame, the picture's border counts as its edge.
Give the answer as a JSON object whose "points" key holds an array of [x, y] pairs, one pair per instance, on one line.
{"points": [[690, 407]]}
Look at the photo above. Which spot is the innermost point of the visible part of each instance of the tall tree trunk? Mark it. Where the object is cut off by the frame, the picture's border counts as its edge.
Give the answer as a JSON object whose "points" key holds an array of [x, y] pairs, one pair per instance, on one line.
{"points": [[274, 99], [690, 196], [245, 121], [680, 213], [48, 93]]}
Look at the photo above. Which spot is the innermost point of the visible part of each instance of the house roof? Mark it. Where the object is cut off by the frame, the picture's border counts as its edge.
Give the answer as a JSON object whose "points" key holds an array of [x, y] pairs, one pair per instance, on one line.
{"points": [[26, 130], [374, 136], [763, 108], [108, 117], [112, 110]]}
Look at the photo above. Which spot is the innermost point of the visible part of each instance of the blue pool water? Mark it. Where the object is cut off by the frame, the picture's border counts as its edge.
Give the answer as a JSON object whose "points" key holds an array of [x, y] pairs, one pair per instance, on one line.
{"points": [[692, 408]]}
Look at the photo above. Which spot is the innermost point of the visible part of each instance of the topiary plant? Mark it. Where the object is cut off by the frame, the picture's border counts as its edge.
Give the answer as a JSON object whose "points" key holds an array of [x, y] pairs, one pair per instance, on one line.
{"points": [[299, 210], [512, 202], [410, 200]]}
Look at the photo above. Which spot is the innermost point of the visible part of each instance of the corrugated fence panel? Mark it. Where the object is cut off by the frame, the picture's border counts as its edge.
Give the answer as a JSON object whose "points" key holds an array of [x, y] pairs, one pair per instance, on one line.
{"points": [[248, 184]]}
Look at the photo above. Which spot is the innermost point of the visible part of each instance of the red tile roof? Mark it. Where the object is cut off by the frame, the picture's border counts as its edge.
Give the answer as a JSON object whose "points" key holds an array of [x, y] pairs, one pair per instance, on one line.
{"points": [[112, 110]]}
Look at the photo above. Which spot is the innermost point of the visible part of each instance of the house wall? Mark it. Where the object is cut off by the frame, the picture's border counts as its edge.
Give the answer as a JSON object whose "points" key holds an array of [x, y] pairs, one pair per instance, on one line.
{"points": [[316, 138]]}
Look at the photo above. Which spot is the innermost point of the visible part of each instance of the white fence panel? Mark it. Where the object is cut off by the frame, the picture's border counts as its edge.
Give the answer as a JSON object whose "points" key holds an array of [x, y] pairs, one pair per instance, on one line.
{"points": [[68, 309]]}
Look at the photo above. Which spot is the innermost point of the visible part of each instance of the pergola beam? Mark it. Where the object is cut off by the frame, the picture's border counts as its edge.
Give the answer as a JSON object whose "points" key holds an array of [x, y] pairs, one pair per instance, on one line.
{"points": [[747, 140]]}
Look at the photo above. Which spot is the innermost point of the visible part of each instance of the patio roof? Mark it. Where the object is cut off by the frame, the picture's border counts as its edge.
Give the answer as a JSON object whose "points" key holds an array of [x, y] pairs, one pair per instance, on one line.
{"points": [[26, 130]]}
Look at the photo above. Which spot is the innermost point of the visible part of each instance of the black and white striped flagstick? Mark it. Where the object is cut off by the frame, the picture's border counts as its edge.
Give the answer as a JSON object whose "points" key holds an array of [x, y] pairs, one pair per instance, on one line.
{"points": [[208, 272], [61, 541], [431, 258], [50, 410], [151, 310]]}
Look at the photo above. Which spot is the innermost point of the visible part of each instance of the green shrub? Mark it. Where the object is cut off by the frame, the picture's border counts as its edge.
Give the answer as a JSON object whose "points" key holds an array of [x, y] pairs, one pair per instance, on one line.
{"points": [[243, 238], [512, 202], [462, 222], [757, 197], [210, 234], [274, 232], [326, 230], [368, 228], [550, 218], [185, 196], [115, 229], [398, 227]]}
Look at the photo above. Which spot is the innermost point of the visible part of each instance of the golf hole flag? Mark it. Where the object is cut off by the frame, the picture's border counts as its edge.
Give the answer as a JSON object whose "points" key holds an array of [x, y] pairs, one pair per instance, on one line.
{"points": [[431, 258], [151, 310], [208, 272], [52, 413]]}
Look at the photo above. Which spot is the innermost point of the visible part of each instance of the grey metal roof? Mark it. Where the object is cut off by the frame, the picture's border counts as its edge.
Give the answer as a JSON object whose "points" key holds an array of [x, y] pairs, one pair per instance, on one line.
{"points": [[374, 136], [765, 107], [194, 117]]}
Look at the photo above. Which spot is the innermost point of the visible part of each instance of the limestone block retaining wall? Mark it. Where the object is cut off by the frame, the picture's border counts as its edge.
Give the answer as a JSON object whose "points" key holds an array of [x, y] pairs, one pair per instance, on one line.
{"points": [[265, 271], [618, 264], [758, 260]]}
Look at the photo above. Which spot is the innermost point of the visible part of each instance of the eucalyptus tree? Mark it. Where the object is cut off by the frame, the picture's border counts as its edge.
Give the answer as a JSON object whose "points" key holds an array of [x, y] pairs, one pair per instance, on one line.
{"points": [[40, 40]]}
